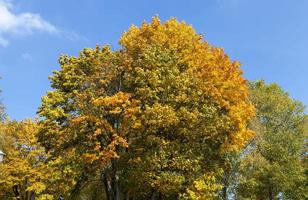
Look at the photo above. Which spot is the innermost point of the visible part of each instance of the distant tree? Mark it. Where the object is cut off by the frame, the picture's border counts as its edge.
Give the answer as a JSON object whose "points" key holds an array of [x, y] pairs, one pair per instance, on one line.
{"points": [[153, 119], [272, 167], [2, 110], [2, 118], [25, 172], [22, 170]]}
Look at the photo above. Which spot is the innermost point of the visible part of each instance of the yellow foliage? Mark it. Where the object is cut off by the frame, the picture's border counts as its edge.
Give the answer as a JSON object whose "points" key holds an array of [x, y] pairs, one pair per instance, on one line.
{"points": [[208, 68], [162, 110], [204, 188], [24, 166]]}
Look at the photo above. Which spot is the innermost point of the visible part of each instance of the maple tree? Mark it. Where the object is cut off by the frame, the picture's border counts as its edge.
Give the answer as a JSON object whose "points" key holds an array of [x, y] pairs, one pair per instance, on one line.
{"points": [[152, 118], [191, 115], [98, 109]]}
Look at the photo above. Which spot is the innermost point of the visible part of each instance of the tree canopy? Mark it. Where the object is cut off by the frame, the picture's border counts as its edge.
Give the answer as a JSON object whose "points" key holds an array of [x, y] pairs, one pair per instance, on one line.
{"points": [[152, 117], [24, 172], [273, 166]]}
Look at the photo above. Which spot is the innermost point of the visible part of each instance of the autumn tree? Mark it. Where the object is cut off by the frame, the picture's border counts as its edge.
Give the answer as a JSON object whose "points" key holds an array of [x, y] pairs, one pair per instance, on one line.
{"points": [[22, 172], [272, 164], [153, 119]]}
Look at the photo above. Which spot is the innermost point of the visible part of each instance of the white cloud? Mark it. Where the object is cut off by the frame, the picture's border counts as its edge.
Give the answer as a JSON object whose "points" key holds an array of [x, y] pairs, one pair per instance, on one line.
{"points": [[27, 56], [21, 24]]}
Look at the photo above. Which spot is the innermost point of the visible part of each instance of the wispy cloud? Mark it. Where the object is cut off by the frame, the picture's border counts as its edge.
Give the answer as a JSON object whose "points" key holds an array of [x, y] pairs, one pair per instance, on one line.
{"points": [[27, 56], [26, 23]]}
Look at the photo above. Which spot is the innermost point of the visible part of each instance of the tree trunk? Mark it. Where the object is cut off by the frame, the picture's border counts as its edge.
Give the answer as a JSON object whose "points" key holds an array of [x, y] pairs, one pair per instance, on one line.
{"points": [[117, 188], [127, 196], [78, 187], [107, 184], [270, 193], [226, 178], [224, 193], [29, 195], [112, 187], [16, 192], [153, 195]]}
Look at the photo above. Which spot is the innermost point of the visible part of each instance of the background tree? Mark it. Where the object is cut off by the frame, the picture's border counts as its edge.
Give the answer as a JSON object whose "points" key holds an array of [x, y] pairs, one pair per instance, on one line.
{"points": [[2, 117], [25, 172], [153, 118], [22, 171], [2, 111], [272, 166]]}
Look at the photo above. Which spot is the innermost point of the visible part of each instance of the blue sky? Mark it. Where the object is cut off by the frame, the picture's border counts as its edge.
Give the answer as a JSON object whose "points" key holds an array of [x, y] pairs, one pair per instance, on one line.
{"points": [[269, 38]]}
